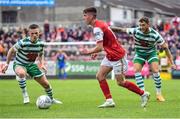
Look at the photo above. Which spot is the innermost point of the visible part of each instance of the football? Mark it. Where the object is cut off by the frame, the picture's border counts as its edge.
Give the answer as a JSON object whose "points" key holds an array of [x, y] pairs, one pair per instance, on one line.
{"points": [[43, 102]]}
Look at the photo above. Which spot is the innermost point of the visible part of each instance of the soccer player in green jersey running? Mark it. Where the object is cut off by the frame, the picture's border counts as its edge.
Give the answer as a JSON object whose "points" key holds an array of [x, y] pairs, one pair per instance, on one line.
{"points": [[146, 41], [27, 50]]}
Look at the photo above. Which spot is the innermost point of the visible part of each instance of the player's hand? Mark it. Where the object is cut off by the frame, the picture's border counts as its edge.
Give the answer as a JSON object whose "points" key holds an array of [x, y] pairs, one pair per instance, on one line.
{"points": [[84, 51], [4, 68], [173, 66], [44, 69], [93, 56]]}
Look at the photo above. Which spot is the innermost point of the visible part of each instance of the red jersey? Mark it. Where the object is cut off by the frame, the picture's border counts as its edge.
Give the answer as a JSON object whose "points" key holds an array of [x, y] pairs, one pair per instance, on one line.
{"points": [[103, 33]]}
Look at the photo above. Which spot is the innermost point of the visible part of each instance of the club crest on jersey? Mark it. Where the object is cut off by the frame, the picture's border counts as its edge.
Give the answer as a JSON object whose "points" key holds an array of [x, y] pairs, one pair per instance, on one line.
{"points": [[32, 56], [97, 33]]}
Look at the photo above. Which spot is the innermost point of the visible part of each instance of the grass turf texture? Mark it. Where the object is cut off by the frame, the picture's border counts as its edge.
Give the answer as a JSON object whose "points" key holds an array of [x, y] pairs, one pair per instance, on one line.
{"points": [[81, 98]]}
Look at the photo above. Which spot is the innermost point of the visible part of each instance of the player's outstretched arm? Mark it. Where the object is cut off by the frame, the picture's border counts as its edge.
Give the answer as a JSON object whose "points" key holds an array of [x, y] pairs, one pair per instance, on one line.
{"points": [[169, 55], [41, 61], [118, 29], [11, 52], [96, 49], [41, 58]]}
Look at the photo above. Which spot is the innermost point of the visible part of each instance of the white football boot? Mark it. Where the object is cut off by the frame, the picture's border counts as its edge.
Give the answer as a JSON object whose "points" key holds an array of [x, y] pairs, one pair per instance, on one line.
{"points": [[145, 97], [55, 101], [108, 103], [25, 98]]}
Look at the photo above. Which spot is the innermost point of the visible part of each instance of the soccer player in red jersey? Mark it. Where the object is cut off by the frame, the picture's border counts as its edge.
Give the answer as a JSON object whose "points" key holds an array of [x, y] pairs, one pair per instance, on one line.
{"points": [[114, 59]]}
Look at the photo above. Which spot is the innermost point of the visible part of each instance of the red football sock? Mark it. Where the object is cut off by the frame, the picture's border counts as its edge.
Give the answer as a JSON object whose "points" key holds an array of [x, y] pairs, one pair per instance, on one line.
{"points": [[132, 87], [105, 88]]}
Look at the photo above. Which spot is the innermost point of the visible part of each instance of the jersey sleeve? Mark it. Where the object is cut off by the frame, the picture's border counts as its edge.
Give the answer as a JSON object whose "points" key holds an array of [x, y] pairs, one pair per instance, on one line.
{"points": [[18, 45], [159, 39], [98, 34], [131, 31]]}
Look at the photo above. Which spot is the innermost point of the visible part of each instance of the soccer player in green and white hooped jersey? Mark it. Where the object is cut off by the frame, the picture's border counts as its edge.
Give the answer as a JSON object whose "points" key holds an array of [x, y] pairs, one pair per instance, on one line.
{"points": [[146, 40], [27, 50]]}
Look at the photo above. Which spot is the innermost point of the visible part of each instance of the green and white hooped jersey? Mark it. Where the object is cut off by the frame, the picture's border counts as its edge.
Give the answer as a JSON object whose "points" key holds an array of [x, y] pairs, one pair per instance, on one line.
{"points": [[145, 44], [27, 52]]}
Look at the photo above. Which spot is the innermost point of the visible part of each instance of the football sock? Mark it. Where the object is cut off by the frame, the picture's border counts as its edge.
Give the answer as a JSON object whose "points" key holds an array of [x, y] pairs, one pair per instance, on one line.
{"points": [[60, 75], [64, 75], [157, 81], [49, 92], [139, 81], [132, 87], [22, 84], [105, 89]]}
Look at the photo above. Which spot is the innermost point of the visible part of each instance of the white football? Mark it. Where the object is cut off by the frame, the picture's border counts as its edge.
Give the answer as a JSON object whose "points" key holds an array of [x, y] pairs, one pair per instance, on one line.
{"points": [[43, 102]]}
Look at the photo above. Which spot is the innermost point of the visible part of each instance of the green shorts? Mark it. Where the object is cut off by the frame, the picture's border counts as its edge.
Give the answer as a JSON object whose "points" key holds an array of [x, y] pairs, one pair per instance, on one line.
{"points": [[141, 59], [31, 69]]}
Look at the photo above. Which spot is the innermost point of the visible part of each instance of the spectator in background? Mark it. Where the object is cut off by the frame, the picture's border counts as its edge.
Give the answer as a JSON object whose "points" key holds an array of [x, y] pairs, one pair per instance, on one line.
{"points": [[70, 35], [1, 31], [53, 35], [58, 33], [173, 50], [46, 29], [163, 60], [176, 21], [167, 26], [177, 61], [64, 37], [2, 50], [87, 36], [25, 33], [80, 34]]}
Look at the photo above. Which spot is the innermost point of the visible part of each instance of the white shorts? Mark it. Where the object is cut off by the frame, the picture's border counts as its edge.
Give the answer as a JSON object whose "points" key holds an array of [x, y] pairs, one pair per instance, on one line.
{"points": [[119, 67]]}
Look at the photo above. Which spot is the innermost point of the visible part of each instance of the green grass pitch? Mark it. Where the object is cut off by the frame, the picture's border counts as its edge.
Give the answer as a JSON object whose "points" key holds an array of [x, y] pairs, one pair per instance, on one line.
{"points": [[81, 98]]}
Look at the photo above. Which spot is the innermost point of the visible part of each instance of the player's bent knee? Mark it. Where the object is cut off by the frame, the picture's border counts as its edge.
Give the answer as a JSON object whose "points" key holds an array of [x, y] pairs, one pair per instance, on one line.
{"points": [[155, 70], [120, 82], [99, 77], [137, 70], [21, 74]]}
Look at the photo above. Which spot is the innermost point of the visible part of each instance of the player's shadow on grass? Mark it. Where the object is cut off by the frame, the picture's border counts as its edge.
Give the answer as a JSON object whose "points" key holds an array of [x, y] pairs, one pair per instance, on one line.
{"points": [[16, 105]]}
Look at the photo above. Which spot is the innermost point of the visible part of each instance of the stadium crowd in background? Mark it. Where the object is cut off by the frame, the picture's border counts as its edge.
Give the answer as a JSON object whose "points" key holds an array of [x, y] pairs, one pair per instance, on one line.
{"points": [[170, 30]]}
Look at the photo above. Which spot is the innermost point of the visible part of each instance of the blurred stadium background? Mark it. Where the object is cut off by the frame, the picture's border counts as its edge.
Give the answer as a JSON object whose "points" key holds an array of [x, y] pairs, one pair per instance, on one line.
{"points": [[62, 28]]}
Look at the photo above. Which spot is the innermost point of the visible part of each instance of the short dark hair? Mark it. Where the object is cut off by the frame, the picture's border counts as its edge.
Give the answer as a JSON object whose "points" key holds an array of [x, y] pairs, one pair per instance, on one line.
{"points": [[90, 10], [33, 26], [144, 19]]}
